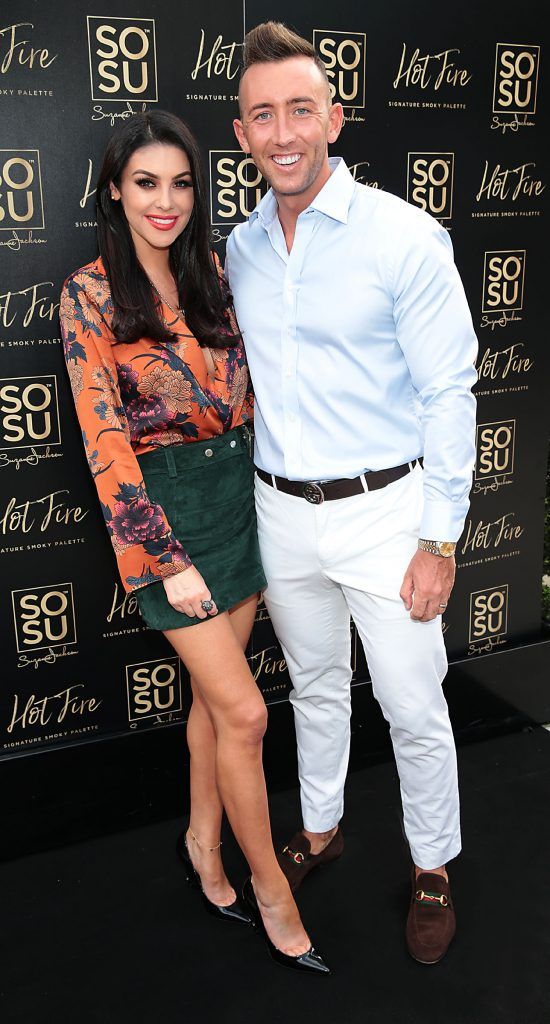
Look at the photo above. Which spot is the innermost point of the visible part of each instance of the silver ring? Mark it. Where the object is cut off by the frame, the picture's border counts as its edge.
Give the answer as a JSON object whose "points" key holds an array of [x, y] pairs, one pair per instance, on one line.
{"points": [[207, 606], [442, 605]]}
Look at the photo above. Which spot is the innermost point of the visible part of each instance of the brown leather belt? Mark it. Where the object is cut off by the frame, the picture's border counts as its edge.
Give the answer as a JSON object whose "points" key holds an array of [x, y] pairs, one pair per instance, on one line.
{"points": [[317, 491]]}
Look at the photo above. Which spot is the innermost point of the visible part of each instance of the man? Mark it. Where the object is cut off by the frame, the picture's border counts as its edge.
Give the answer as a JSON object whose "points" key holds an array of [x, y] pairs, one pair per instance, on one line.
{"points": [[361, 350]]}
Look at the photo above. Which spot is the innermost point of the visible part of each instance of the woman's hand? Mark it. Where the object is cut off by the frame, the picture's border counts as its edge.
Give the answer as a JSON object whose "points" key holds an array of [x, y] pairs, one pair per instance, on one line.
{"points": [[186, 590]]}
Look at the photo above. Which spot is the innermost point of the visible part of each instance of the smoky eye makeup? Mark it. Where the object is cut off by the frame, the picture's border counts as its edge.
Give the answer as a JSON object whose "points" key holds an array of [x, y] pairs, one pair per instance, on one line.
{"points": [[145, 182]]}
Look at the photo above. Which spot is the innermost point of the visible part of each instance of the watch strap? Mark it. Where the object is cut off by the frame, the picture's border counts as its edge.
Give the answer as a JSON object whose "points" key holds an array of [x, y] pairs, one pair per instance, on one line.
{"points": [[444, 548]]}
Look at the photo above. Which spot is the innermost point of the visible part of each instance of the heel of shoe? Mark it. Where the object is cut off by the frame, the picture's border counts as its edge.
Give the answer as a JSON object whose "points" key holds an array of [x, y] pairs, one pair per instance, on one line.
{"points": [[191, 876], [310, 962], [251, 904], [234, 912]]}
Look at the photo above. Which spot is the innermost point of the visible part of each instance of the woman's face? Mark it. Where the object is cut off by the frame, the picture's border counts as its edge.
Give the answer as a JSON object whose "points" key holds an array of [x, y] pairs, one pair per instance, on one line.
{"points": [[156, 192]]}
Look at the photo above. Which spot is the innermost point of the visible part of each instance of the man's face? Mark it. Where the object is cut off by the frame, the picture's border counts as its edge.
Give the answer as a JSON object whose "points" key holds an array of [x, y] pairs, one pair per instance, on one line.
{"points": [[286, 124]]}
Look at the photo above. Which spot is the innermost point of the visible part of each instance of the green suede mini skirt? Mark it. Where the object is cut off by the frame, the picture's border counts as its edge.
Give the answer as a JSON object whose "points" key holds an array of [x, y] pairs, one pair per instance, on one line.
{"points": [[206, 489]]}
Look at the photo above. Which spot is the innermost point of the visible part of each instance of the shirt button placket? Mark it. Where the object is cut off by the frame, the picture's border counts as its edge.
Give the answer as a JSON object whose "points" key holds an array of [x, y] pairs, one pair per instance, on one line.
{"points": [[289, 359], [290, 343]]}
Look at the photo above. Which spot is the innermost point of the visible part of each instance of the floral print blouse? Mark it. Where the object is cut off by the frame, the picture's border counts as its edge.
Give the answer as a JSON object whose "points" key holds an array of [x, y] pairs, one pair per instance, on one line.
{"points": [[132, 398]]}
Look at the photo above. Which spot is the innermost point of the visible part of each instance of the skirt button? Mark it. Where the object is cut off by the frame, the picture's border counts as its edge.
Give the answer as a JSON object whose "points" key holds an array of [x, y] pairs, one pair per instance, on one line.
{"points": [[209, 453]]}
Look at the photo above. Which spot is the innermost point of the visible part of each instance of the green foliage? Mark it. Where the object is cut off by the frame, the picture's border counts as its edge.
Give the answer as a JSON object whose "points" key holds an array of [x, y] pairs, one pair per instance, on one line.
{"points": [[545, 603]]}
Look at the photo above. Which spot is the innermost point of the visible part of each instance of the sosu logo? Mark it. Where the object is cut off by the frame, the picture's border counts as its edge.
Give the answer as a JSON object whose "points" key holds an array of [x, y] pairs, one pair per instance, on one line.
{"points": [[516, 74], [154, 688], [495, 449], [29, 413], [431, 183], [343, 54], [503, 280], [489, 613], [44, 617], [236, 186], [20, 190], [122, 58]]}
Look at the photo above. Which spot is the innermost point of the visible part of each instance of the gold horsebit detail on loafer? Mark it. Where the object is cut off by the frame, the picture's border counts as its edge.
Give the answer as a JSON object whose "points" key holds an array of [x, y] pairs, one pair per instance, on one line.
{"points": [[431, 897], [298, 857]]}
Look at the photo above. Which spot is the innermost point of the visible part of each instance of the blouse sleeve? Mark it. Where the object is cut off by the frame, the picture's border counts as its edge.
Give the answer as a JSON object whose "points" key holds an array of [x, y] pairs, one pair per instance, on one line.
{"points": [[143, 542]]}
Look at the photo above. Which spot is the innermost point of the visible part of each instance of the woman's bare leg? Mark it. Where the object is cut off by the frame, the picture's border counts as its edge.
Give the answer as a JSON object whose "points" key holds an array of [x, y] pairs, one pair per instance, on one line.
{"points": [[216, 662], [206, 802]]}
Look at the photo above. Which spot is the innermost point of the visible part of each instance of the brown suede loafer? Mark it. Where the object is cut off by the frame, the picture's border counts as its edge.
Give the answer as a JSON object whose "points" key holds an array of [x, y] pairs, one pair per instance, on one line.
{"points": [[431, 922], [296, 859]]}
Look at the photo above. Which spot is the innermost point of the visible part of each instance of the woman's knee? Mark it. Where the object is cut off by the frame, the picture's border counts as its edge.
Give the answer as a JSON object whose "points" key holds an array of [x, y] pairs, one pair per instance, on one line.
{"points": [[200, 722], [248, 718], [199, 706]]}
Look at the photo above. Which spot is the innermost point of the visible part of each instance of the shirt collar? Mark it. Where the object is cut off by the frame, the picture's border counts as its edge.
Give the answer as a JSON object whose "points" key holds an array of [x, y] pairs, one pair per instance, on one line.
{"points": [[265, 211], [333, 200]]}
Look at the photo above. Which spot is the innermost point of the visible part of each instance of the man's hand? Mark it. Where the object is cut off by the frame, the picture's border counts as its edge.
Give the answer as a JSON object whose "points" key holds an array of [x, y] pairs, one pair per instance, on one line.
{"points": [[427, 585]]}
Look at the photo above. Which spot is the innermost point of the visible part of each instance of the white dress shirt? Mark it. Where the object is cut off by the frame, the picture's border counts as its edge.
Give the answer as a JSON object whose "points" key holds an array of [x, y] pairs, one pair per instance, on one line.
{"points": [[360, 344]]}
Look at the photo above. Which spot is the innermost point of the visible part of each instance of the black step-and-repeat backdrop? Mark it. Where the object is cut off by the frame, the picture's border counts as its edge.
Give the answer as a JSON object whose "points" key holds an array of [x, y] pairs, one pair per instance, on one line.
{"points": [[443, 107]]}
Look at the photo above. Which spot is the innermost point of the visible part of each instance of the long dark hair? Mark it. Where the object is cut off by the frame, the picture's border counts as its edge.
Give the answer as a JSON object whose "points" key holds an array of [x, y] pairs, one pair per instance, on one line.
{"points": [[200, 293]]}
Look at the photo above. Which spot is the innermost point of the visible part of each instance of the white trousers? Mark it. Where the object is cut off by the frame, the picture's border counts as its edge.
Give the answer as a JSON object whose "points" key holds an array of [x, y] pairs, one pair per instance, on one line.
{"points": [[323, 562]]}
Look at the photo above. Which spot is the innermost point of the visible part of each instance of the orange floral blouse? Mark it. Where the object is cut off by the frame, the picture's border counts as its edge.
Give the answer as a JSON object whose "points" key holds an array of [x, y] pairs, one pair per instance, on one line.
{"points": [[133, 398]]}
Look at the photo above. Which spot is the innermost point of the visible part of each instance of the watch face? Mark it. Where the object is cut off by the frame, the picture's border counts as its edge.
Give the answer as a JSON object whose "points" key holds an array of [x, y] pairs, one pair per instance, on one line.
{"points": [[447, 548]]}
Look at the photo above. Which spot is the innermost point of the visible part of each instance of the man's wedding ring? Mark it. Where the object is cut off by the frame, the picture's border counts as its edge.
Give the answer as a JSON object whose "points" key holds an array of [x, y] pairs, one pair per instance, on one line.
{"points": [[207, 606], [442, 605]]}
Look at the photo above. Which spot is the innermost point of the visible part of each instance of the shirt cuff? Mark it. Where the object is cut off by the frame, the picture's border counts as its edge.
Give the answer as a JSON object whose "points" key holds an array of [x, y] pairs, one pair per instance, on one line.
{"points": [[442, 520]]}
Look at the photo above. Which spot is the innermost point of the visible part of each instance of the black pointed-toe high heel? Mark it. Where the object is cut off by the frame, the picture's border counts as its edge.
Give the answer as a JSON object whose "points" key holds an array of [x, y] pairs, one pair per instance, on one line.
{"points": [[311, 961], [234, 912]]}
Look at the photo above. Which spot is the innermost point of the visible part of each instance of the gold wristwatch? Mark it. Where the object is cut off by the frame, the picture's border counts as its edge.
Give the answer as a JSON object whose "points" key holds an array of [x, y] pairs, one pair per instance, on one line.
{"points": [[445, 548]]}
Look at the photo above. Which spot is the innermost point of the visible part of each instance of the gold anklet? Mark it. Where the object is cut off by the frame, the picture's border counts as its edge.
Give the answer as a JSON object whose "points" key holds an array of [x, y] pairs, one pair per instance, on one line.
{"points": [[210, 849]]}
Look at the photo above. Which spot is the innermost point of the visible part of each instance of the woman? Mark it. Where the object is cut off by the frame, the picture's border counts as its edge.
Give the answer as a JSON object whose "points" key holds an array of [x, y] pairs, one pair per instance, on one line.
{"points": [[159, 378]]}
